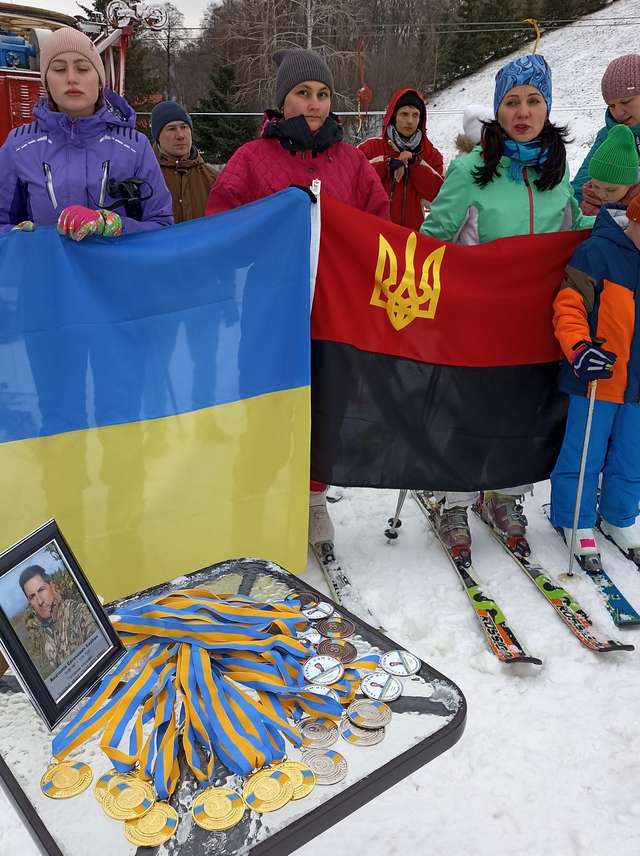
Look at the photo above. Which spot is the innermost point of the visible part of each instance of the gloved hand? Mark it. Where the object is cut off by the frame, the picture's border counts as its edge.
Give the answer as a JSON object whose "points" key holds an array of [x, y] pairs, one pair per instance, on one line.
{"points": [[397, 167], [24, 226], [591, 361], [77, 222], [307, 190], [590, 202]]}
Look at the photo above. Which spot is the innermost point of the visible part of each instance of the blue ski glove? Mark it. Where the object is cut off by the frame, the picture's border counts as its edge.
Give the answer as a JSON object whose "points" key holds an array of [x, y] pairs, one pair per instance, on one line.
{"points": [[591, 361]]}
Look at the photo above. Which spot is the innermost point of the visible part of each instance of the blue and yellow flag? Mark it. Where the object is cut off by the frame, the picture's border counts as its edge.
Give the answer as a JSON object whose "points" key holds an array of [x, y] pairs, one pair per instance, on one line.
{"points": [[154, 392]]}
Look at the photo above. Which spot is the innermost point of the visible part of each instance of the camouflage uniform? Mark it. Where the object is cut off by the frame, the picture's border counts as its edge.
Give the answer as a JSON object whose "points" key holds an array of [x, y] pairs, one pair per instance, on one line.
{"points": [[70, 625]]}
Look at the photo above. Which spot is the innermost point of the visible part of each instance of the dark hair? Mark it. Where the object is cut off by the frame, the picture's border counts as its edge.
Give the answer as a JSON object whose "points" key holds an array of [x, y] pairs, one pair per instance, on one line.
{"points": [[31, 572], [553, 138]]}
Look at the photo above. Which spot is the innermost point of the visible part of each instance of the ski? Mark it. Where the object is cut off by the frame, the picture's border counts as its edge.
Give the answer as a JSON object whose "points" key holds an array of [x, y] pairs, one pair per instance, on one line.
{"points": [[500, 637], [340, 585], [564, 604], [621, 612], [633, 554]]}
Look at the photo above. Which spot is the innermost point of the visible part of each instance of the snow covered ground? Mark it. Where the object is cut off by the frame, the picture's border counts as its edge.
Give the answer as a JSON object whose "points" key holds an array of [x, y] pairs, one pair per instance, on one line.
{"points": [[549, 760]]}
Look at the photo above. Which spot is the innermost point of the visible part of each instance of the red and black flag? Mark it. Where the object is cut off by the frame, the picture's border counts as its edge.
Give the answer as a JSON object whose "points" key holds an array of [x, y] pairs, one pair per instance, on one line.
{"points": [[434, 365]]}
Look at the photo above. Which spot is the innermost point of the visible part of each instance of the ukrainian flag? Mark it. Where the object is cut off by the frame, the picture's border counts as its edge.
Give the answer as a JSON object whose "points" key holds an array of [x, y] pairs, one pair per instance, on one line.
{"points": [[154, 392]]}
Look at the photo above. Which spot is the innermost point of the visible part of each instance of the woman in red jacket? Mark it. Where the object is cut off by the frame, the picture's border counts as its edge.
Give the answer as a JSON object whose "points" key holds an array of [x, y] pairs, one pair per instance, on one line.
{"points": [[410, 166], [301, 141]]}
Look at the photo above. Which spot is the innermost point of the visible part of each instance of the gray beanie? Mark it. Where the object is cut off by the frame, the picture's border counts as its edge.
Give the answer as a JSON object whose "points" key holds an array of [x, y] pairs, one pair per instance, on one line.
{"points": [[296, 66], [165, 112]]}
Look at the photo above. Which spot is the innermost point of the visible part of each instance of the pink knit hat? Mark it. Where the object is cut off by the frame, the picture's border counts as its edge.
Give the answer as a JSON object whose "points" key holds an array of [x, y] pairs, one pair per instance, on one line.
{"points": [[67, 39], [622, 78]]}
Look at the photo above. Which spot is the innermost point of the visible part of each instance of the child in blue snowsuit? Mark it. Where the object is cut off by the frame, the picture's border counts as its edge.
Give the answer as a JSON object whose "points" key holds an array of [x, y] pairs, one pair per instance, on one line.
{"points": [[597, 306]]}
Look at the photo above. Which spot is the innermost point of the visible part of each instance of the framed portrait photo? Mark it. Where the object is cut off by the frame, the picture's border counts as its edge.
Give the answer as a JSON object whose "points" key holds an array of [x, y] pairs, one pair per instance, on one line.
{"points": [[54, 633]]}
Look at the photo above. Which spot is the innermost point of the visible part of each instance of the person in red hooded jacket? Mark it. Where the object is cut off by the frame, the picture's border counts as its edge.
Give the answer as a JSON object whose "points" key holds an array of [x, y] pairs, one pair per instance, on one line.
{"points": [[410, 166]]}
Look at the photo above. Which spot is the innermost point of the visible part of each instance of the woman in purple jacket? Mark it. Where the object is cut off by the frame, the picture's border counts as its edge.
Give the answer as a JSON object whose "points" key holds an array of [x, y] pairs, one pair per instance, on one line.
{"points": [[82, 158]]}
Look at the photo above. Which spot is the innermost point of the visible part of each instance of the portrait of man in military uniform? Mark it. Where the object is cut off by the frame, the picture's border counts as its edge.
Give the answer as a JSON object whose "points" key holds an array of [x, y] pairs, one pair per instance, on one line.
{"points": [[56, 626]]}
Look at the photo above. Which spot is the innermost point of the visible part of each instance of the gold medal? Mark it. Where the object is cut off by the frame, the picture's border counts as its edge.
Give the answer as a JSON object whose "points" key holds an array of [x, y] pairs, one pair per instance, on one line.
{"points": [[217, 809], [103, 784], [302, 777], [66, 779], [268, 790], [153, 828], [129, 799]]}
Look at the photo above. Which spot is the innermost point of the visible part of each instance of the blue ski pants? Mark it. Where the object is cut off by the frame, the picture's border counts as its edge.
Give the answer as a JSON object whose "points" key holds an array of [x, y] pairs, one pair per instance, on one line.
{"points": [[614, 451]]}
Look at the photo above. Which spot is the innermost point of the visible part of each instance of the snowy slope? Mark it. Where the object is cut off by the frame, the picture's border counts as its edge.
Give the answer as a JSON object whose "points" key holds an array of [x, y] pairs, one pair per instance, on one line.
{"points": [[549, 760], [578, 56]]}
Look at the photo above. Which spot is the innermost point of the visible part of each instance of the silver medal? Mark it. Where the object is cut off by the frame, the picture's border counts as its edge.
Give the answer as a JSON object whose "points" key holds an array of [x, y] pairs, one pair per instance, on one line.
{"points": [[381, 686], [320, 610], [360, 736], [318, 732], [329, 767], [400, 663], [311, 635], [367, 713], [323, 670], [318, 689]]}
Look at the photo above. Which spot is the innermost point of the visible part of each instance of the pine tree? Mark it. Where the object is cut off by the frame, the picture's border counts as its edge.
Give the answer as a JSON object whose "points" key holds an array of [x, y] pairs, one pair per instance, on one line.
{"points": [[219, 136]]}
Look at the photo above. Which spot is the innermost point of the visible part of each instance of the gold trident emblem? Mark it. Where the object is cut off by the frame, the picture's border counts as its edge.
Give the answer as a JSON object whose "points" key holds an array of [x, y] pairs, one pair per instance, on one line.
{"points": [[406, 302]]}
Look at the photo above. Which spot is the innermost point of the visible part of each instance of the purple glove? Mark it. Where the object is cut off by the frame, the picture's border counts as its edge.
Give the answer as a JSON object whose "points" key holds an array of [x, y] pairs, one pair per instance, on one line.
{"points": [[591, 362]]}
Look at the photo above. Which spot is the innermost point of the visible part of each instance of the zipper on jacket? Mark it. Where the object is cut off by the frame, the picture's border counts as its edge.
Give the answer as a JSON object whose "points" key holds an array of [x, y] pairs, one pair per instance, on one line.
{"points": [[526, 181], [48, 177], [103, 183]]}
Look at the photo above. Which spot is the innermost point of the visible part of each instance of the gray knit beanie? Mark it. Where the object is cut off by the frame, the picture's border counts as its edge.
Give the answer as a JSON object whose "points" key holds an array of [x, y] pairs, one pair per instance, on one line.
{"points": [[296, 66]]}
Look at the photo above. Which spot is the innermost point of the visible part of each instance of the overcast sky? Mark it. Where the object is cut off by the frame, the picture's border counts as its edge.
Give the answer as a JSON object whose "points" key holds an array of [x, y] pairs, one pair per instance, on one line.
{"points": [[191, 9]]}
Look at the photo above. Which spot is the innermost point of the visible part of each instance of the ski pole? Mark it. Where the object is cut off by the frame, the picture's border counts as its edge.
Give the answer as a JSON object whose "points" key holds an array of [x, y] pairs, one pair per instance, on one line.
{"points": [[583, 465], [395, 522]]}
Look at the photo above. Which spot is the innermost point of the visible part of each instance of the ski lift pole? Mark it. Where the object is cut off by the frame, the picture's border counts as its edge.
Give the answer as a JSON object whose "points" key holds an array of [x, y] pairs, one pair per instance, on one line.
{"points": [[583, 465]]}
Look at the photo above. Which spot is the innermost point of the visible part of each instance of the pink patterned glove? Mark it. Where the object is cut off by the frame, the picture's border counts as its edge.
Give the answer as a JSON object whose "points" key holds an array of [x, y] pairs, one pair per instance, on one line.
{"points": [[112, 224], [76, 222], [24, 226]]}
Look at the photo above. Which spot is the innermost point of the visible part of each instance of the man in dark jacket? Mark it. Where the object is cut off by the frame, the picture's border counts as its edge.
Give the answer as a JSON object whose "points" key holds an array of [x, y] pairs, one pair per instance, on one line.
{"points": [[188, 177]]}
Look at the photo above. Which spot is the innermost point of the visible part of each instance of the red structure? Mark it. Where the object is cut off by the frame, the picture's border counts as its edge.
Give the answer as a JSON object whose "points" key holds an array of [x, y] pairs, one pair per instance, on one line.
{"points": [[23, 30]]}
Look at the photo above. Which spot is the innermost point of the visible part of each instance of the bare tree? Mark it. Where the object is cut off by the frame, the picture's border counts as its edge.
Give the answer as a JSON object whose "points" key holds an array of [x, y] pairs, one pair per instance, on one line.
{"points": [[168, 44]]}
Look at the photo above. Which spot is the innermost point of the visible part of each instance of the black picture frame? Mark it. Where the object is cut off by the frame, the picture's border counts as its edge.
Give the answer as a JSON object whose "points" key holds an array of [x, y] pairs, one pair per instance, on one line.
{"points": [[53, 688]]}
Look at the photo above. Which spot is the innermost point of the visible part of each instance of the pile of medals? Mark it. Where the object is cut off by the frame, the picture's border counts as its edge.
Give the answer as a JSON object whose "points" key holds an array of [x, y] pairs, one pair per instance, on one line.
{"points": [[147, 822], [190, 656], [365, 720]]}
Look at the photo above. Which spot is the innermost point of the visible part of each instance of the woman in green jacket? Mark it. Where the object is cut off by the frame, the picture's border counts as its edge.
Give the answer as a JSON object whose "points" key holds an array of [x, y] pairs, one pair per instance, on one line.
{"points": [[516, 182]]}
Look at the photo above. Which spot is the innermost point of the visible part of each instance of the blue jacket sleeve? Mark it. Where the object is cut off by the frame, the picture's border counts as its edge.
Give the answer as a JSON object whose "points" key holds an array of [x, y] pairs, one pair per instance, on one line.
{"points": [[157, 211], [13, 206], [582, 176]]}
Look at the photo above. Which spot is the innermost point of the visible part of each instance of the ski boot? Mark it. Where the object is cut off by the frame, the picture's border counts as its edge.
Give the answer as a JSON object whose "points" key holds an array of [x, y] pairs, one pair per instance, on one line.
{"points": [[452, 526], [321, 529], [585, 549], [626, 538], [504, 513]]}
